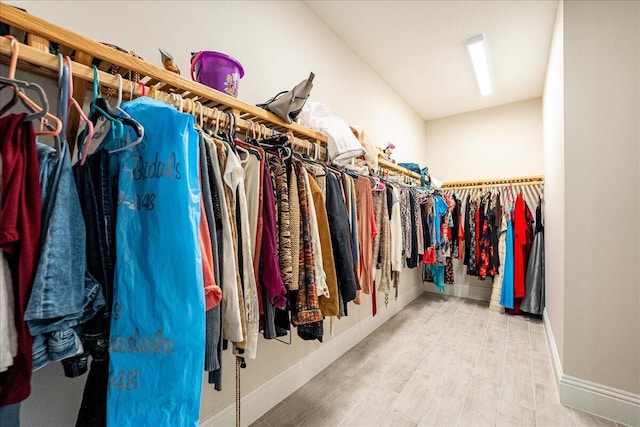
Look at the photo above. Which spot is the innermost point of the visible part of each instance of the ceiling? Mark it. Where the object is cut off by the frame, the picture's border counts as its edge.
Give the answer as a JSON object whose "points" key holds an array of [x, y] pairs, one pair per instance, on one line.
{"points": [[418, 48]]}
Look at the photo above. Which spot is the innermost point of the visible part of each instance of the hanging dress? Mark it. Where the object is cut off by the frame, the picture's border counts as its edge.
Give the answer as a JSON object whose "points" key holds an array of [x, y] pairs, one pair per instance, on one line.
{"points": [[507, 296], [533, 301], [496, 292]]}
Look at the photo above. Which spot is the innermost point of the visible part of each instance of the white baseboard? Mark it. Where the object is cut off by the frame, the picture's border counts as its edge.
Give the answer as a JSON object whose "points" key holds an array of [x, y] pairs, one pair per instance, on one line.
{"points": [[462, 291], [261, 399], [601, 400]]}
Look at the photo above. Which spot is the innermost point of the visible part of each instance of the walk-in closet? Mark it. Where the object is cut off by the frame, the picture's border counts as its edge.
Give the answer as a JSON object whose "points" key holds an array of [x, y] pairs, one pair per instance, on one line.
{"points": [[319, 213]]}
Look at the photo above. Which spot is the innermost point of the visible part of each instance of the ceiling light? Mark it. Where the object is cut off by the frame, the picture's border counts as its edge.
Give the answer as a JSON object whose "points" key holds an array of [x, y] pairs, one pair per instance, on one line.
{"points": [[478, 55]]}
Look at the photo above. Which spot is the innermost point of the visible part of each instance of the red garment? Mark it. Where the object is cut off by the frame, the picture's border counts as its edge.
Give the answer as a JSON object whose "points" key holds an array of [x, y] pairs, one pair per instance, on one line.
{"points": [[20, 223], [522, 239], [460, 238], [429, 256]]}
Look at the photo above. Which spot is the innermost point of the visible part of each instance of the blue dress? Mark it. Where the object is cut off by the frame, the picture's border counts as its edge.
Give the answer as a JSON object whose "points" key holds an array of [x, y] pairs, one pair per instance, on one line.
{"points": [[507, 295]]}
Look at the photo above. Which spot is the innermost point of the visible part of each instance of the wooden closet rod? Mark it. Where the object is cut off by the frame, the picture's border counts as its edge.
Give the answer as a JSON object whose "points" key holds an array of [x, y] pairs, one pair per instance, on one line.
{"points": [[37, 61], [525, 180], [382, 162]]}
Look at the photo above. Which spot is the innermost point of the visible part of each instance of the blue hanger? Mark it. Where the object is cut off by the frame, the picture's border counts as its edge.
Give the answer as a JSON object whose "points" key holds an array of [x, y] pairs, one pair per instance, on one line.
{"points": [[95, 112]]}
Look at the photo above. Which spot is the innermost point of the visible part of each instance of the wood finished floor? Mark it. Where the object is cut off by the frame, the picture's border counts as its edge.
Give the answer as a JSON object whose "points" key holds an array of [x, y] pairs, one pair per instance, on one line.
{"points": [[441, 361]]}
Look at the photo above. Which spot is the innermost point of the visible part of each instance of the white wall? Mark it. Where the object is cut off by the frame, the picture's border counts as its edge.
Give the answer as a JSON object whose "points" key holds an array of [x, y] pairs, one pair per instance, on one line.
{"points": [[499, 142], [592, 162], [554, 216], [602, 201], [278, 42]]}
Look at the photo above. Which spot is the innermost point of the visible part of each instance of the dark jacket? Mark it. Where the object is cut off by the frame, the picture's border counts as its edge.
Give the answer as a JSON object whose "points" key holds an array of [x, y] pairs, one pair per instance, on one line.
{"points": [[340, 239]]}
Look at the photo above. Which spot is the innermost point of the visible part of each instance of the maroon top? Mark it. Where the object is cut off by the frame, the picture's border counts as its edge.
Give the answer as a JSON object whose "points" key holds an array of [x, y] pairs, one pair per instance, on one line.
{"points": [[20, 222], [271, 278]]}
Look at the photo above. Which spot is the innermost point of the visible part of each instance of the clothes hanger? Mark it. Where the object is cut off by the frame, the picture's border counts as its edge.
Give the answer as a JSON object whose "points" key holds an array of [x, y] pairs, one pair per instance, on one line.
{"points": [[119, 114], [138, 128], [283, 149], [71, 101], [14, 98], [230, 134], [95, 113], [314, 161], [247, 147], [199, 116], [41, 112]]}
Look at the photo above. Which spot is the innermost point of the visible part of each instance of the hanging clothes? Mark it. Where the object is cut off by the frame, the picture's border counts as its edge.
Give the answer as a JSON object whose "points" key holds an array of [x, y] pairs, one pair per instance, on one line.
{"points": [[280, 183], [405, 216], [162, 202], [252, 161], [412, 259], [382, 242], [8, 332], [471, 241], [329, 305], [507, 292], [522, 239], [230, 178], [340, 240], [62, 299], [365, 234], [496, 292], [270, 274], [232, 328], [307, 317], [245, 254], [281, 189], [487, 266], [533, 301], [213, 317], [20, 223], [348, 191], [395, 228], [455, 248], [322, 289], [294, 208], [97, 178]]}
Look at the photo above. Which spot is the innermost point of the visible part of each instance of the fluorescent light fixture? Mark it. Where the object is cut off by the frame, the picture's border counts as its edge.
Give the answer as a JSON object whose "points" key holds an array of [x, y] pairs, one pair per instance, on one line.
{"points": [[478, 55]]}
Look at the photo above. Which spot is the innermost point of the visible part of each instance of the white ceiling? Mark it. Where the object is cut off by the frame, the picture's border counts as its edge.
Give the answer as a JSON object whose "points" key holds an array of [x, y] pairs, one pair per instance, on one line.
{"points": [[418, 48]]}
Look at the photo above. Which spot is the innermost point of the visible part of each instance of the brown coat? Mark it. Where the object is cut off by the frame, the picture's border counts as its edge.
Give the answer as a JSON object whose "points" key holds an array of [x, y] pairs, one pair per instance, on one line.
{"points": [[328, 306]]}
